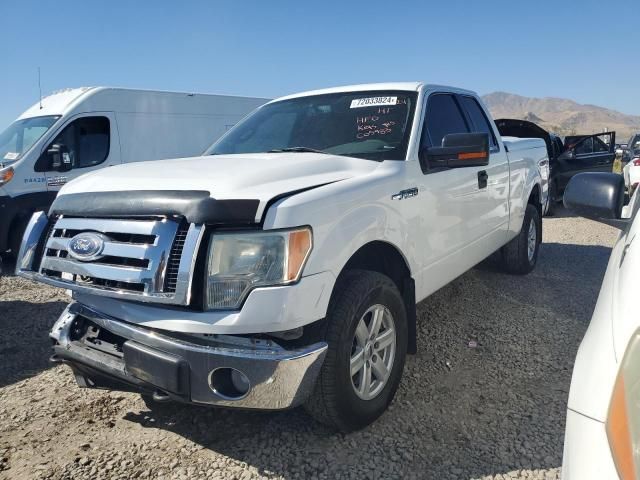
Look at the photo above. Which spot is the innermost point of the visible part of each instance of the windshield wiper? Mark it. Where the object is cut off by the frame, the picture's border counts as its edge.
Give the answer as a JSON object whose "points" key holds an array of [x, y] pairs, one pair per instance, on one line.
{"points": [[296, 149]]}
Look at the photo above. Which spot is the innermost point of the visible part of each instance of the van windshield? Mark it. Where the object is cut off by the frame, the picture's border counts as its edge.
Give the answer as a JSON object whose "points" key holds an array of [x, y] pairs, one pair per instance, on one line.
{"points": [[373, 125], [21, 135]]}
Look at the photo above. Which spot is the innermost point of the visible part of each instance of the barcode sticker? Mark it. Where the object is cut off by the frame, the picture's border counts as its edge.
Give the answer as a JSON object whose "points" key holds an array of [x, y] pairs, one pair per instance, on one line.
{"points": [[373, 101]]}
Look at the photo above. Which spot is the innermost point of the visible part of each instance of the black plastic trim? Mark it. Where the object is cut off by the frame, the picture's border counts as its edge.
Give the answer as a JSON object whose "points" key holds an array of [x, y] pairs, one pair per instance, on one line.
{"points": [[595, 195], [196, 206]]}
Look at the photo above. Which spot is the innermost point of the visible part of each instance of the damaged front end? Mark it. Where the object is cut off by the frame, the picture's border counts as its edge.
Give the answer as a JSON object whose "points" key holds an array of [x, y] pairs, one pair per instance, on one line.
{"points": [[217, 370]]}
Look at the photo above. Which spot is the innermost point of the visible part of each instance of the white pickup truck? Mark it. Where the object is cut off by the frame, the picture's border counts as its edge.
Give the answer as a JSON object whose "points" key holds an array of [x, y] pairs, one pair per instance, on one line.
{"points": [[283, 267]]}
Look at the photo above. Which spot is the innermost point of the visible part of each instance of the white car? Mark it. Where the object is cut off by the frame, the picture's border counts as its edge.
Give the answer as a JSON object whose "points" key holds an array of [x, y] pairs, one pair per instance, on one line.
{"points": [[631, 172], [602, 439], [283, 266]]}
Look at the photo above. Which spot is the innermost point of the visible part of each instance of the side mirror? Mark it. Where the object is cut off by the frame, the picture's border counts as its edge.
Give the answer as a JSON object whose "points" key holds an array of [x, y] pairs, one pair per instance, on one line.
{"points": [[567, 155], [60, 159], [458, 150], [598, 196]]}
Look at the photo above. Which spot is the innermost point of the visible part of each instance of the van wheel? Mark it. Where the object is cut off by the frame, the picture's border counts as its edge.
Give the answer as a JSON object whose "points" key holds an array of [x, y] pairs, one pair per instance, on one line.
{"points": [[366, 330], [520, 255]]}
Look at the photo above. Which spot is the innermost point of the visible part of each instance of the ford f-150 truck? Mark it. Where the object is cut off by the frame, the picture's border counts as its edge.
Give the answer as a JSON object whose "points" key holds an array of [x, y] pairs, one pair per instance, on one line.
{"points": [[283, 266]]}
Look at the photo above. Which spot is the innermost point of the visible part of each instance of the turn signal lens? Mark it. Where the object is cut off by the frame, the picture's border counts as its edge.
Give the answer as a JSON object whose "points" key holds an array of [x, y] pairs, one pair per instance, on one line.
{"points": [[623, 419], [618, 432], [299, 248], [472, 156], [6, 174]]}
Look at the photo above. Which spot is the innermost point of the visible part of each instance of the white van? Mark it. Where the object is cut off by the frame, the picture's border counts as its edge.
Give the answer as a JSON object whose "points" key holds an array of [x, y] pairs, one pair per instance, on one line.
{"points": [[79, 130]]}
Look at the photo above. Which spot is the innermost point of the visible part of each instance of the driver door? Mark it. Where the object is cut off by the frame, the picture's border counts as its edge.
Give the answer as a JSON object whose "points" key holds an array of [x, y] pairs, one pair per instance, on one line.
{"points": [[86, 143], [459, 223]]}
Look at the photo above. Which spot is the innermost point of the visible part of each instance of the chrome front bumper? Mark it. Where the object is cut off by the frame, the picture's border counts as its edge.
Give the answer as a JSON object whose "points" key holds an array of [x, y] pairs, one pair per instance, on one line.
{"points": [[180, 366]]}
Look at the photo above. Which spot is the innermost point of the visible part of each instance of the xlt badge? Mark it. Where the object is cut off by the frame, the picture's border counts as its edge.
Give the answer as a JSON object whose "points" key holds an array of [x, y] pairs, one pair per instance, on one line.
{"points": [[402, 194]]}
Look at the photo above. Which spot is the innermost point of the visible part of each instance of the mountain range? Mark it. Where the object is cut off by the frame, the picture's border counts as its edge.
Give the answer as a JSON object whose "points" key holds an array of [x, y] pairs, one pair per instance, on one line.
{"points": [[562, 116]]}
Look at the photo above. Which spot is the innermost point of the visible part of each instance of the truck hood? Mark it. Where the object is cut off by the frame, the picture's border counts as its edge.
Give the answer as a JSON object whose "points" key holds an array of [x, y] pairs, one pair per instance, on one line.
{"points": [[260, 176]]}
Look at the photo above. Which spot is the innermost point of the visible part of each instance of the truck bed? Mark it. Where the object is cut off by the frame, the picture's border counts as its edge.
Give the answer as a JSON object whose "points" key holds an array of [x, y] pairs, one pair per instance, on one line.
{"points": [[515, 144]]}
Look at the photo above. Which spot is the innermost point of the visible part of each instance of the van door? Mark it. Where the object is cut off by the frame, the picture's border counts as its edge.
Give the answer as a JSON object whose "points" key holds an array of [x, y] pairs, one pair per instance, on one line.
{"points": [[85, 143]]}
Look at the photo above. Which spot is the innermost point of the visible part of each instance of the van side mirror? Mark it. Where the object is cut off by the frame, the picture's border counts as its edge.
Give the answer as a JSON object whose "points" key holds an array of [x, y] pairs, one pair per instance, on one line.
{"points": [[458, 150], [60, 159], [598, 196]]}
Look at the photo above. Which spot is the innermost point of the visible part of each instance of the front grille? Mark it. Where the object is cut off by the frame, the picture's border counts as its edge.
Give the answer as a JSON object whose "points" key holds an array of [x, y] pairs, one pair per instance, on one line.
{"points": [[139, 257], [173, 265]]}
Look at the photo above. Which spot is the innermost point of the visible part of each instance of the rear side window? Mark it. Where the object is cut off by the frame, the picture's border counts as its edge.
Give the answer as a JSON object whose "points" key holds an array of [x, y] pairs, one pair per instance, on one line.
{"points": [[443, 117], [479, 122], [87, 141]]}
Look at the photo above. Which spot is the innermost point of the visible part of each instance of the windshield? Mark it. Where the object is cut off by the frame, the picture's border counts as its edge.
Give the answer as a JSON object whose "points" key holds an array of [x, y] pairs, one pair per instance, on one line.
{"points": [[373, 125], [21, 135]]}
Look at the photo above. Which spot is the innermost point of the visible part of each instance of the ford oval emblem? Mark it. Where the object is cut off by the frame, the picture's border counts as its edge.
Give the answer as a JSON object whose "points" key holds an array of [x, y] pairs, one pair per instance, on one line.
{"points": [[87, 246]]}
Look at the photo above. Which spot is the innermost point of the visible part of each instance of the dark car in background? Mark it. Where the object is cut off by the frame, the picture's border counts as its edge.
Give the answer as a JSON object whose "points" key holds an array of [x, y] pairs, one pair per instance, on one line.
{"points": [[574, 154]]}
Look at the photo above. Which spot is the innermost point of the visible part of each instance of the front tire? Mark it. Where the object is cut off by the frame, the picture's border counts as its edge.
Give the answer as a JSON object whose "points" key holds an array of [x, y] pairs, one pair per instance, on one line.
{"points": [[520, 255], [366, 330]]}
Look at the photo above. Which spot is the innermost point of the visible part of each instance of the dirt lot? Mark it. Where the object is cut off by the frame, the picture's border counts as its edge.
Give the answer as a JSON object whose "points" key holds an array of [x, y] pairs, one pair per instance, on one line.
{"points": [[494, 411]]}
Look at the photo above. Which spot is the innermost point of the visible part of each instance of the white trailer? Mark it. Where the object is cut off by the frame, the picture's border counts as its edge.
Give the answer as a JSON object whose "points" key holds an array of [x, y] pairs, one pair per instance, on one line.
{"points": [[76, 131]]}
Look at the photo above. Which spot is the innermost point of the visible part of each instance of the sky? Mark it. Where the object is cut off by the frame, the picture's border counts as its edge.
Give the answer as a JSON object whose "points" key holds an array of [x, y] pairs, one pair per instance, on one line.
{"points": [[586, 51]]}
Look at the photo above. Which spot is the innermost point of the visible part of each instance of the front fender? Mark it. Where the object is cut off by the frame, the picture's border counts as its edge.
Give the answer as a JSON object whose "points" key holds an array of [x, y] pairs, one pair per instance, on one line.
{"points": [[347, 215]]}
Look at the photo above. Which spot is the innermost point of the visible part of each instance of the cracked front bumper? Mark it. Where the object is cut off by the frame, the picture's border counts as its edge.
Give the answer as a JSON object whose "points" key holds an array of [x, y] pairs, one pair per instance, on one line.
{"points": [[105, 352]]}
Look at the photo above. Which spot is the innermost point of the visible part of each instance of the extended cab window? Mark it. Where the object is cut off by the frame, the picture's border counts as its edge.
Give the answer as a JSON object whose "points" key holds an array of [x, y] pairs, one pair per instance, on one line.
{"points": [[85, 139], [479, 122], [443, 116], [374, 125]]}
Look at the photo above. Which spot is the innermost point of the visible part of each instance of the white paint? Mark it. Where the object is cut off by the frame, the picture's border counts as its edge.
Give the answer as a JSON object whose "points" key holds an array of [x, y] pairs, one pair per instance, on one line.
{"points": [[144, 124], [614, 321], [450, 226]]}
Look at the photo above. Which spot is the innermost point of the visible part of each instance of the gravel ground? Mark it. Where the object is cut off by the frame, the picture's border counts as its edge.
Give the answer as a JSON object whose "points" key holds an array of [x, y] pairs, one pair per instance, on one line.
{"points": [[490, 409]]}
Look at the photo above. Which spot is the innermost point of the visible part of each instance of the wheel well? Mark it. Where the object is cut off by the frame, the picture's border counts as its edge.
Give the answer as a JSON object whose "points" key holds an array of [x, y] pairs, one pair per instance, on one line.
{"points": [[384, 258]]}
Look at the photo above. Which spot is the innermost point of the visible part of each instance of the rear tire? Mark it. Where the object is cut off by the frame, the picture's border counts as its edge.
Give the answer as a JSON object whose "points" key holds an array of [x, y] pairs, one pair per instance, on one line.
{"points": [[345, 400], [520, 255]]}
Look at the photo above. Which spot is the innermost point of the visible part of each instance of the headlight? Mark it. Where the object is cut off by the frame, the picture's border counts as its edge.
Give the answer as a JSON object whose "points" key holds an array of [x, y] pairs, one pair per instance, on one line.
{"points": [[6, 174], [623, 419], [239, 262]]}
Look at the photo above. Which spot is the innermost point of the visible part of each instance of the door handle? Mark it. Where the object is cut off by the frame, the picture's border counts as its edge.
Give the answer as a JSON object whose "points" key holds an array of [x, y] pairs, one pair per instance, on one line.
{"points": [[483, 176]]}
